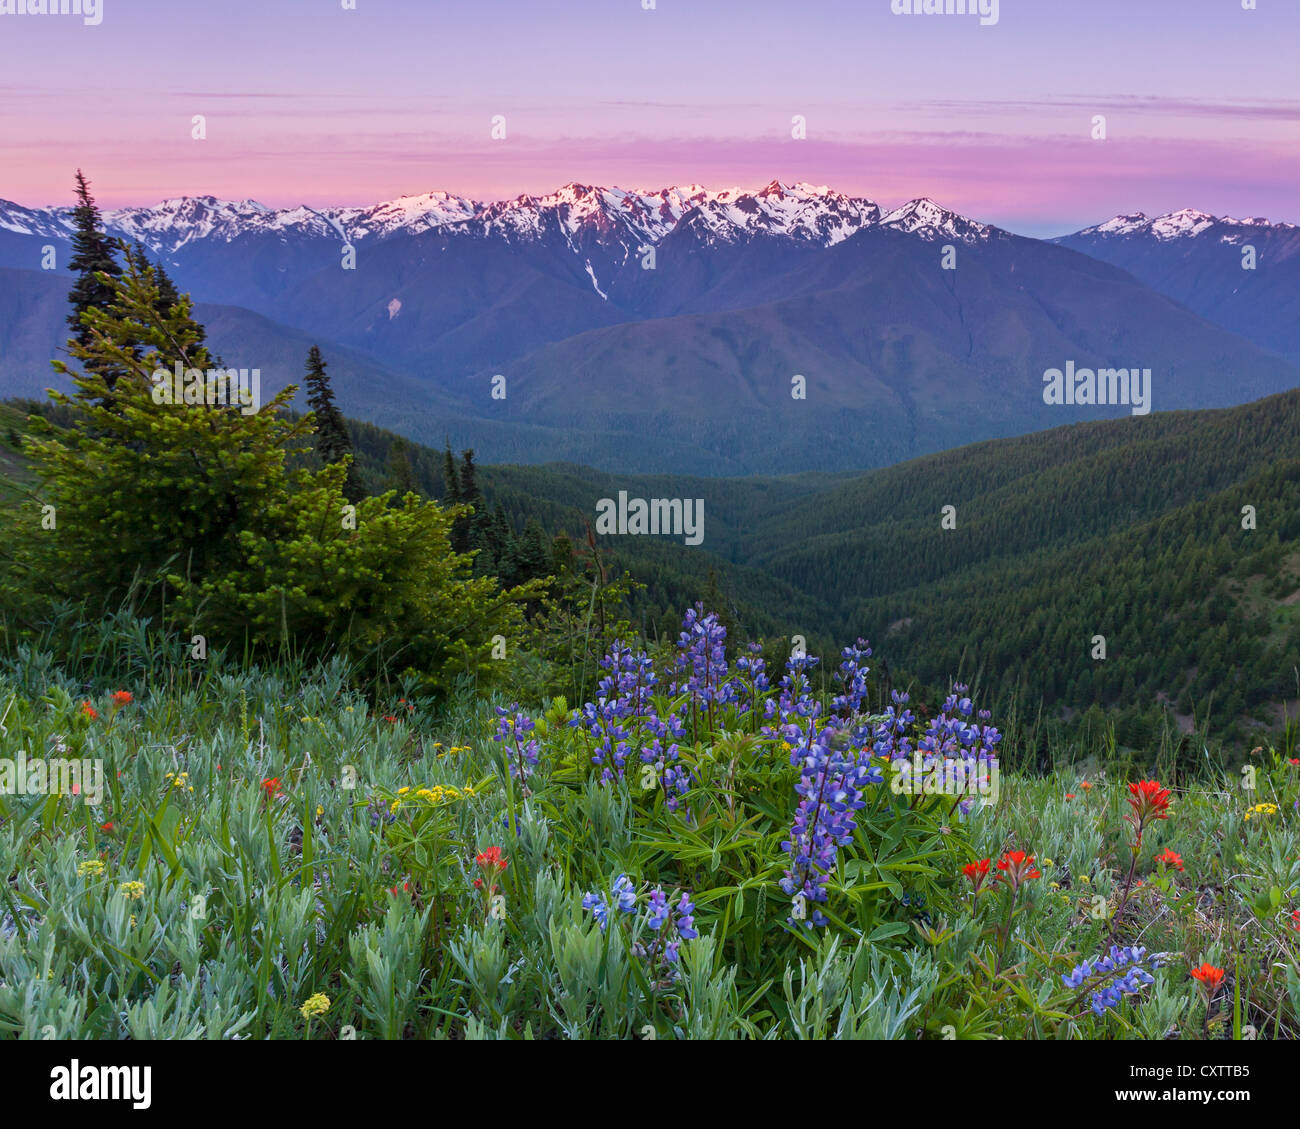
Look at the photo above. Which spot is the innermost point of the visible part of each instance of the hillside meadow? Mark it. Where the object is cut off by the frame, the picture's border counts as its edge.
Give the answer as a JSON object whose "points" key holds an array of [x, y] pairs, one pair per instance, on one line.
{"points": [[708, 849]]}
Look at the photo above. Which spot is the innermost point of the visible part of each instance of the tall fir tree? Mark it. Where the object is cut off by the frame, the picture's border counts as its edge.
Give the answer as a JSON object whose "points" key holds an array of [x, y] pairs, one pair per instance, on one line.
{"points": [[532, 560], [168, 295], [401, 474], [92, 255], [467, 528], [450, 477], [333, 443]]}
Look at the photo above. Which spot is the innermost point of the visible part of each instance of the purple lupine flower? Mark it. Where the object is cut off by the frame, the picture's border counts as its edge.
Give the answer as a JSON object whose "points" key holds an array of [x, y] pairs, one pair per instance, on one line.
{"points": [[658, 909], [596, 904], [623, 897], [853, 679], [624, 893], [1125, 968], [753, 680], [702, 659], [522, 756], [685, 918], [831, 784], [795, 701], [623, 713]]}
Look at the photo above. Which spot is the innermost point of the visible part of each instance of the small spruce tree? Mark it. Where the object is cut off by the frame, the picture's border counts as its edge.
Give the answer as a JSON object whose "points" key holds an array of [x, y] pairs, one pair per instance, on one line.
{"points": [[333, 443]]}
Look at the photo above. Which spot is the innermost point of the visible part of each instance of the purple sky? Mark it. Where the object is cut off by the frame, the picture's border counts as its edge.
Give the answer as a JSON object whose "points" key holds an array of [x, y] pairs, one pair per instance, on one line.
{"points": [[309, 103]]}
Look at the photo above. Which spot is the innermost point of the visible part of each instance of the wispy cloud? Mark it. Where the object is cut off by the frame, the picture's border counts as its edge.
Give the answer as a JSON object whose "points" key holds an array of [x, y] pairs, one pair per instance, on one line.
{"points": [[1279, 109]]}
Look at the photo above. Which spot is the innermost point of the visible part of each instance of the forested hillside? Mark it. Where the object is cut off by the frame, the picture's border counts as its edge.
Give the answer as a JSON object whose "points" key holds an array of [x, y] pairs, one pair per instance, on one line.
{"points": [[1131, 530], [1134, 530]]}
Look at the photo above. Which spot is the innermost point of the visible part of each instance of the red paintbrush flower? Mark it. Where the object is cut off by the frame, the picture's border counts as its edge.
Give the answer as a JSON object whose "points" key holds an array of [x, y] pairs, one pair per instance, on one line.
{"points": [[1148, 798], [1209, 976], [1170, 858], [123, 697], [977, 872], [491, 859], [1149, 801], [1017, 868], [90, 711]]}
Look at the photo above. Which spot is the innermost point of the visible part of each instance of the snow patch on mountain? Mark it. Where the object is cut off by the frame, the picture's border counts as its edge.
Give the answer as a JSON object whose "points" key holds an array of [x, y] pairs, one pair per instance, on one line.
{"points": [[805, 212], [409, 214], [927, 220], [49, 223], [1186, 223]]}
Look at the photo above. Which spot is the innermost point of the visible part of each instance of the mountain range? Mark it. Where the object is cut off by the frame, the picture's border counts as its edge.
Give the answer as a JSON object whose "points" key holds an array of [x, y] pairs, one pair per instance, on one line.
{"points": [[676, 328], [1242, 274]]}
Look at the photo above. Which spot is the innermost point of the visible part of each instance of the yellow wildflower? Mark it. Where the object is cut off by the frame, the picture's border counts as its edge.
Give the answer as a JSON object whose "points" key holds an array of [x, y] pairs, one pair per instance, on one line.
{"points": [[131, 891], [93, 867], [316, 1005]]}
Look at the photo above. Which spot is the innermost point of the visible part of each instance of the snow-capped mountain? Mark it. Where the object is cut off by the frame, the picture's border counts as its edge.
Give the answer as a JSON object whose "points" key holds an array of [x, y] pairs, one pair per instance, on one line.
{"points": [[804, 212], [600, 230], [1186, 223], [49, 223], [926, 219], [631, 218], [167, 227], [1243, 274], [615, 354], [406, 214]]}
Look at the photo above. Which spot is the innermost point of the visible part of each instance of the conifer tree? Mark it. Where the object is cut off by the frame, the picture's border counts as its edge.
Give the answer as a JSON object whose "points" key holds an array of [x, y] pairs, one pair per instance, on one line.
{"points": [[209, 505], [92, 256], [168, 295], [401, 474], [467, 528], [450, 478], [333, 443], [532, 561]]}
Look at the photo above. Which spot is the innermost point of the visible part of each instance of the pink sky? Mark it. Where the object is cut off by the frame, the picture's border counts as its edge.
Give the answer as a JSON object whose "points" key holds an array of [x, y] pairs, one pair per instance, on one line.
{"points": [[308, 103]]}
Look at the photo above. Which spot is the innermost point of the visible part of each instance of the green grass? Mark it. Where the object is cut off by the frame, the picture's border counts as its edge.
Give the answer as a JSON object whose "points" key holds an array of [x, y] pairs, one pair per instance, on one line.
{"points": [[255, 897]]}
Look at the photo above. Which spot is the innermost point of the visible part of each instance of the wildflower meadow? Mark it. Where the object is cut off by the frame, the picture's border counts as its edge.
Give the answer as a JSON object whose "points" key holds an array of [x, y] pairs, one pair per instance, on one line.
{"points": [[708, 848]]}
